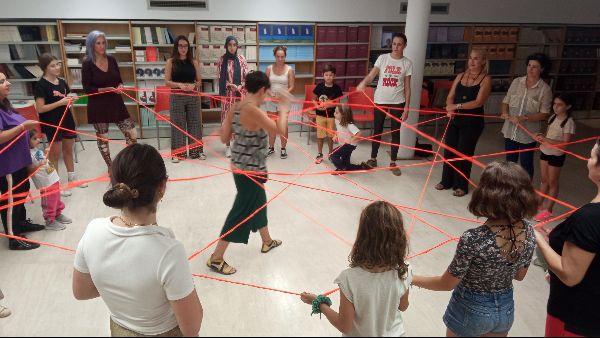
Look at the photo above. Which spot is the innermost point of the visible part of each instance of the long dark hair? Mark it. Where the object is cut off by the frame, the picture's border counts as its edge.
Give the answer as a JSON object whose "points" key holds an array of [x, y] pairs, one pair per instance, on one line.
{"points": [[5, 103], [569, 100], [381, 240], [137, 173], [189, 57]]}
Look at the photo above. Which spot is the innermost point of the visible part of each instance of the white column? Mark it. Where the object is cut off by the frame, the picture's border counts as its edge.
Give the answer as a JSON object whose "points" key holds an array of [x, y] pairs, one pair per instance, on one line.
{"points": [[417, 27]]}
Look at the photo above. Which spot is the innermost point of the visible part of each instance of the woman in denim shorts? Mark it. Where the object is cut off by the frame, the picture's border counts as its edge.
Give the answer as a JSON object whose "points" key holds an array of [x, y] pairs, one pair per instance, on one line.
{"points": [[489, 257]]}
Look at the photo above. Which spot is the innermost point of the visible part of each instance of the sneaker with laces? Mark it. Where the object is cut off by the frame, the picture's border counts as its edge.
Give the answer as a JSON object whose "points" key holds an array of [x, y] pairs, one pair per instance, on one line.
{"points": [[55, 226], [63, 219], [17, 244], [228, 152], [202, 156], [395, 170], [283, 155], [66, 193], [270, 152], [174, 160], [543, 215], [4, 312], [319, 158], [72, 177], [371, 163]]}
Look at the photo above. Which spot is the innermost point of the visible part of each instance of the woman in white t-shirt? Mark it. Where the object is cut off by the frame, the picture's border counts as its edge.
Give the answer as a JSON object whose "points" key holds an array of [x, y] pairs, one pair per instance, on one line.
{"points": [[374, 290], [137, 267], [393, 92], [561, 129]]}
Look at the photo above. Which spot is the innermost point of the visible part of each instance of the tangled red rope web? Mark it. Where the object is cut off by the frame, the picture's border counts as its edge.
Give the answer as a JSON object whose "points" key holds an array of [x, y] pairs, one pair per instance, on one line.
{"points": [[416, 212]]}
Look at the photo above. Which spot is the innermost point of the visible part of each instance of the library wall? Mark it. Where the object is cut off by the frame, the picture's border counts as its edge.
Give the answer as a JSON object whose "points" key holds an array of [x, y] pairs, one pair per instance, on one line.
{"points": [[492, 11]]}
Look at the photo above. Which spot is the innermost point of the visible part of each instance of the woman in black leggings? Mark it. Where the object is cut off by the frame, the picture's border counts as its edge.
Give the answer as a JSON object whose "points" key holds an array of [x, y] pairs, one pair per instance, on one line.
{"points": [[468, 94]]}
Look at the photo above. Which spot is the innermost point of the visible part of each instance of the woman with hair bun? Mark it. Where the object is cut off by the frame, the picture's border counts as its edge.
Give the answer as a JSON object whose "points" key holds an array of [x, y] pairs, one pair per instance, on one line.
{"points": [[136, 266]]}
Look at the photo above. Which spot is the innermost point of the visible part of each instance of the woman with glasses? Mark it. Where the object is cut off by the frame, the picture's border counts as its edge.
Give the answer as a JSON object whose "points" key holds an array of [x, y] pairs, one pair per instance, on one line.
{"points": [[182, 73]]}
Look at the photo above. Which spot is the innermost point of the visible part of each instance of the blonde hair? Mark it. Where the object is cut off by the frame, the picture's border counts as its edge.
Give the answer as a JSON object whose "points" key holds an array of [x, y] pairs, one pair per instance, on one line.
{"points": [[483, 53]]}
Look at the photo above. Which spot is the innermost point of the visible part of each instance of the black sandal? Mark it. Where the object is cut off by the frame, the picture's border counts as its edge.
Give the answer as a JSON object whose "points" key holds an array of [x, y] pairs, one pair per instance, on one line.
{"points": [[221, 267], [274, 243]]}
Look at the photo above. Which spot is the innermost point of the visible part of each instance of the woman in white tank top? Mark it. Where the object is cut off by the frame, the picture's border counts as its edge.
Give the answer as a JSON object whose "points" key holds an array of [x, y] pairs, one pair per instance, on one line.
{"points": [[282, 79]]}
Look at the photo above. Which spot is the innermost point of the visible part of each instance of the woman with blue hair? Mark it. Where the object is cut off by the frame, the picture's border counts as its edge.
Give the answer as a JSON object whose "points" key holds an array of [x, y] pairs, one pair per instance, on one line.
{"points": [[100, 74]]}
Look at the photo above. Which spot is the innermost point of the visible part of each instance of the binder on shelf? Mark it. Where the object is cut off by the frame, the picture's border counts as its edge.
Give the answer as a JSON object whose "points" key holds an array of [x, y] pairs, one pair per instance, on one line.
{"points": [[342, 34], [362, 51], [30, 33], [442, 34], [293, 33], [352, 34], [496, 34], [331, 34], [154, 36], [238, 32], [340, 68], [137, 35], [279, 33], [202, 34], [264, 32], [151, 54], [250, 33], [432, 34], [160, 36], [147, 35], [456, 34], [363, 33], [340, 52], [307, 33], [321, 34]]}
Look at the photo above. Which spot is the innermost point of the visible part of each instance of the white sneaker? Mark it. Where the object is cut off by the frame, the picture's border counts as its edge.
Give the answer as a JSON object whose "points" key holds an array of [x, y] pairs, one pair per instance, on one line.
{"points": [[63, 219], [228, 152], [4, 312], [73, 178], [55, 226], [66, 193]]}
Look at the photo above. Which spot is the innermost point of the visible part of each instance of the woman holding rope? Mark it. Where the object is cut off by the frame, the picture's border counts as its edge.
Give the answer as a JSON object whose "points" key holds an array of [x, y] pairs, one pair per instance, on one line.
{"points": [[468, 94], [250, 126], [14, 160]]}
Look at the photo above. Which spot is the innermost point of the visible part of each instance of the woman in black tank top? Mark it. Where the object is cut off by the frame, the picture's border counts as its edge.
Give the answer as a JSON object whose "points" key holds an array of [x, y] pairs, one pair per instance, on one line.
{"points": [[182, 74], [468, 94]]}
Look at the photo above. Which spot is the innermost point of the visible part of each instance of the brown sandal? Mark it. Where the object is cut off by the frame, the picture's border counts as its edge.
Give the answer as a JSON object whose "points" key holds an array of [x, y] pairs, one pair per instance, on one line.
{"points": [[268, 247], [221, 267], [459, 193], [440, 186]]}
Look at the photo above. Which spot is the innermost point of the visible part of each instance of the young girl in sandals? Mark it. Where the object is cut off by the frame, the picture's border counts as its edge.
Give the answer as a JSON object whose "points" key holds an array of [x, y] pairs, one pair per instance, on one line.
{"points": [[376, 285], [250, 126], [561, 129]]}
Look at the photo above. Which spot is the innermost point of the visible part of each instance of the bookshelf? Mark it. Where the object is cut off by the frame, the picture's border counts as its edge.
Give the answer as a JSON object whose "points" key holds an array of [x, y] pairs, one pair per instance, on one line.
{"points": [[21, 43], [72, 35], [299, 38], [347, 48], [210, 38]]}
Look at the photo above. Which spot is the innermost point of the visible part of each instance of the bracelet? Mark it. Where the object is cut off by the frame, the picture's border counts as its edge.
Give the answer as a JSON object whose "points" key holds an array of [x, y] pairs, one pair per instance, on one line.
{"points": [[458, 106], [317, 303]]}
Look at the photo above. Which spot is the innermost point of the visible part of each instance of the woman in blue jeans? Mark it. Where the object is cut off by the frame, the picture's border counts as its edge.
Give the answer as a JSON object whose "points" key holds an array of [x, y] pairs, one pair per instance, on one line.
{"points": [[489, 257], [526, 104]]}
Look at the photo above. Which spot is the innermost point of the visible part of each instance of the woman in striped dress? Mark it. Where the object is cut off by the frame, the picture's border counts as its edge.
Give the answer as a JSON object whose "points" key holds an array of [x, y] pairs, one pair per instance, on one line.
{"points": [[250, 126], [232, 77]]}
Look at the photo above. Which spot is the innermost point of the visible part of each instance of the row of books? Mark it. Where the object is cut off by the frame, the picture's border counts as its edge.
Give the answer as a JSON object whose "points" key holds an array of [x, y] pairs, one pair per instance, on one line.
{"points": [[439, 68], [495, 34], [447, 51], [446, 34], [576, 83], [583, 35], [540, 36], [293, 53], [581, 52], [342, 52], [218, 34], [19, 52], [343, 34], [75, 76], [578, 67], [27, 33], [551, 51], [153, 35], [157, 72], [502, 51], [282, 33], [343, 68]]}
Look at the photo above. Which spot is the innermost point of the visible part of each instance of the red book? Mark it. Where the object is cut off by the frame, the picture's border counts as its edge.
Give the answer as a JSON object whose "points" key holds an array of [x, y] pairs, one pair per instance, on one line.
{"points": [[151, 54]]}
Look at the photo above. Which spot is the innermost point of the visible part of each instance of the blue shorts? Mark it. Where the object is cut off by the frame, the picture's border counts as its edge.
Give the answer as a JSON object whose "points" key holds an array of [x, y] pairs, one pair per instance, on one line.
{"points": [[472, 314]]}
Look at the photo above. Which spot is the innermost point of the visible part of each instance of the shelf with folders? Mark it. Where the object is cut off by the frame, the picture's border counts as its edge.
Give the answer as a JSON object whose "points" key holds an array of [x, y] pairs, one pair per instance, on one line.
{"points": [[72, 34], [299, 39], [21, 43], [154, 44], [210, 39], [345, 47]]}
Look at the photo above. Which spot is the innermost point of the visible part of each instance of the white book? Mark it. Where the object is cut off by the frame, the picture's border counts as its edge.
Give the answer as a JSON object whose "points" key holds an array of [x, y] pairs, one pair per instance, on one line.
{"points": [[14, 33], [35, 70], [148, 35], [4, 53]]}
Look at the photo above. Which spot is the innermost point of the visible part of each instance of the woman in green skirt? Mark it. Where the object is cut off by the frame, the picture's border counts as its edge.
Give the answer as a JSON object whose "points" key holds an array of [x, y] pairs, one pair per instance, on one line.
{"points": [[250, 127]]}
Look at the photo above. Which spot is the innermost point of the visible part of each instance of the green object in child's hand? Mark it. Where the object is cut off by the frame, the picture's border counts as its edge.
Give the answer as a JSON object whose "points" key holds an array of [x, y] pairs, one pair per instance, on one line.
{"points": [[317, 303]]}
